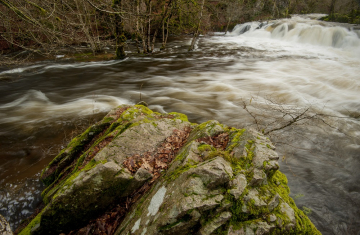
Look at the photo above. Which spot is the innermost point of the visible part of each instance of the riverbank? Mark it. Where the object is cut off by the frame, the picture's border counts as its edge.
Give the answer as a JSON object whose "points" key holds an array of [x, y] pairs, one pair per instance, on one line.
{"points": [[85, 54]]}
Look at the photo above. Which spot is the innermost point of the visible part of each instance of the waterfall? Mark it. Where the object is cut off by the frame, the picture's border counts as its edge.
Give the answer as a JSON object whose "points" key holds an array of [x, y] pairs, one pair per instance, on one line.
{"points": [[304, 31], [247, 27]]}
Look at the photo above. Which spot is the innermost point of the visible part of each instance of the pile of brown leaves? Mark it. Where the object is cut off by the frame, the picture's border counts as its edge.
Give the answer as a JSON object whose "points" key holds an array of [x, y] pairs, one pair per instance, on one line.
{"points": [[219, 141], [158, 160]]}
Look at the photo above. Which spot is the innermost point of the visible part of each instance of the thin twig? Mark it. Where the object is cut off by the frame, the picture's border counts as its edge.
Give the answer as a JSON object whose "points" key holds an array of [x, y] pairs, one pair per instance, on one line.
{"points": [[140, 91]]}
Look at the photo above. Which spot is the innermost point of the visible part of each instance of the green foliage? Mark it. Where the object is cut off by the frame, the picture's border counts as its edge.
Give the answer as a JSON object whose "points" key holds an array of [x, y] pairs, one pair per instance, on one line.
{"points": [[352, 18]]}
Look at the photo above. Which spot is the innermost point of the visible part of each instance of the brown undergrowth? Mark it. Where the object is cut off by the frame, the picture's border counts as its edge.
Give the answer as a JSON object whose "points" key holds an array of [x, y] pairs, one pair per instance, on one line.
{"points": [[158, 160], [219, 141]]}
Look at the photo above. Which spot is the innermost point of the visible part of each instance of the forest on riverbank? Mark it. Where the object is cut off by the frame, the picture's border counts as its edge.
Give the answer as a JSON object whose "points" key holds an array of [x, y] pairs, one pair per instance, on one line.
{"points": [[45, 27]]}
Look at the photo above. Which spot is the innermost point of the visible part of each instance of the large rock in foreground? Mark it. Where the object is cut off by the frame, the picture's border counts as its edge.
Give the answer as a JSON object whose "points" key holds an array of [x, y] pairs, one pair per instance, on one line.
{"points": [[184, 179]]}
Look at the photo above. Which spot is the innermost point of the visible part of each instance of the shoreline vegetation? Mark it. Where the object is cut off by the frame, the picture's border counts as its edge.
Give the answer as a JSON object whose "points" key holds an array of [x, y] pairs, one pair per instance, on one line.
{"points": [[37, 30]]}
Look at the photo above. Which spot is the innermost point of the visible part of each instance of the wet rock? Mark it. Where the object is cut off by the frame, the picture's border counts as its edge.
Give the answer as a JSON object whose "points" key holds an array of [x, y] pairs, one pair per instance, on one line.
{"points": [[272, 218], [259, 178], [253, 198], [200, 202], [181, 178], [238, 185], [274, 202], [211, 226], [193, 156], [255, 228], [90, 188], [214, 172], [289, 212], [4, 226]]}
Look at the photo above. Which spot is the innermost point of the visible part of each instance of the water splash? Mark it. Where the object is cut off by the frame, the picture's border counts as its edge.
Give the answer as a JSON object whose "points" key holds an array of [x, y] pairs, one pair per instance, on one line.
{"points": [[303, 30], [36, 107]]}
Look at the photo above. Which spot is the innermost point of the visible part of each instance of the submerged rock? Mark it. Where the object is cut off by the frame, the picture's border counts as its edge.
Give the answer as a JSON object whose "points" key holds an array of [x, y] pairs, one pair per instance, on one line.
{"points": [[167, 176]]}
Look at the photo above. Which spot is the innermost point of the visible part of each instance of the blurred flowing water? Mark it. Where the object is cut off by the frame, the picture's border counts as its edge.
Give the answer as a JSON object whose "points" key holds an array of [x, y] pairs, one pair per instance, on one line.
{"points": [[299, 62]]}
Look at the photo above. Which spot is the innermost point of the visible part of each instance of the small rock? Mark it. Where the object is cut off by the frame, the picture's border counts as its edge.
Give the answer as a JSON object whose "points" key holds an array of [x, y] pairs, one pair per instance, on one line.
{"points": [[262, 228], [214, 172], [214, 224], [259, 178], [255, 228], [143, 103], [4, 226], [272, 218], [35, 229], [201, 203], [142, 175], [242, 231], [193, 156], [253, 195], [274, 202], [225, 205], [263, 153], [194, 186], [238, 184], [288, 211]]}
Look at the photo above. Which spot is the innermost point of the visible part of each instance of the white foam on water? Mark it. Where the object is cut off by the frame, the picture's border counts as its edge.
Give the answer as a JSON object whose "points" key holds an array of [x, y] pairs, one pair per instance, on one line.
{"points": [[35, 106], [40, 68], [19, 70]]}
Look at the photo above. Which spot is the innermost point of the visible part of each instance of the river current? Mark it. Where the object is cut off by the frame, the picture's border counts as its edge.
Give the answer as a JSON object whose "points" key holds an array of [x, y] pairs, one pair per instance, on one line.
{"points": [[271, 72]]}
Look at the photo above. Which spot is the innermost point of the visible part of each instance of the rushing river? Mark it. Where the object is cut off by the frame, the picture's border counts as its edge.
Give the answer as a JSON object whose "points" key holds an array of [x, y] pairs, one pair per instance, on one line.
{"points": [[277, 68]]}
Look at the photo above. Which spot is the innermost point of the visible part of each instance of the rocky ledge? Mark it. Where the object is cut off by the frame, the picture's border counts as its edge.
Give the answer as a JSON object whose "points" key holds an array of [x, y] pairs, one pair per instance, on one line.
{"points": [[142, 172]]}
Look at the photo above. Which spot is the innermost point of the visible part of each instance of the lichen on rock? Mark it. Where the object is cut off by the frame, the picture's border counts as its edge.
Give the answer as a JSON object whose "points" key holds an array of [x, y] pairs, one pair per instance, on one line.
{"points": [[183, 179], [224, 192]]}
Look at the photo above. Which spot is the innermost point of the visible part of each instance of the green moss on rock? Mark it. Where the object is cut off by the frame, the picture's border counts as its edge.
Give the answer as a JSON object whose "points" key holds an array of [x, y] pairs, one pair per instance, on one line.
{"points": [[202, 183]]}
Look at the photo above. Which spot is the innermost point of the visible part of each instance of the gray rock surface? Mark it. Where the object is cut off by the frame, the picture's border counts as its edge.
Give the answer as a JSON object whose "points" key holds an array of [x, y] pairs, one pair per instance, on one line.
{"points": [[219, 180], [4, 226], [238, 185], [208, 195]]}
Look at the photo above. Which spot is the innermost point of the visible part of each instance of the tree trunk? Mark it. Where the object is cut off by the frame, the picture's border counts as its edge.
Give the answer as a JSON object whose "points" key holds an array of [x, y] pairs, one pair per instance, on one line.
{"points": [[162, 21], [149, 29], [137, 26], [165, 37], [332, 8], [196, 34], [119, 31], [227, 26]]}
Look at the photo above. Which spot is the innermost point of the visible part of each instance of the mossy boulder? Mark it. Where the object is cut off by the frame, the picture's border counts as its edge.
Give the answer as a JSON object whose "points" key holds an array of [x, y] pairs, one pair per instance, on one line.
{"points": [[233, 190], [95, 177], [201, 179]]}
